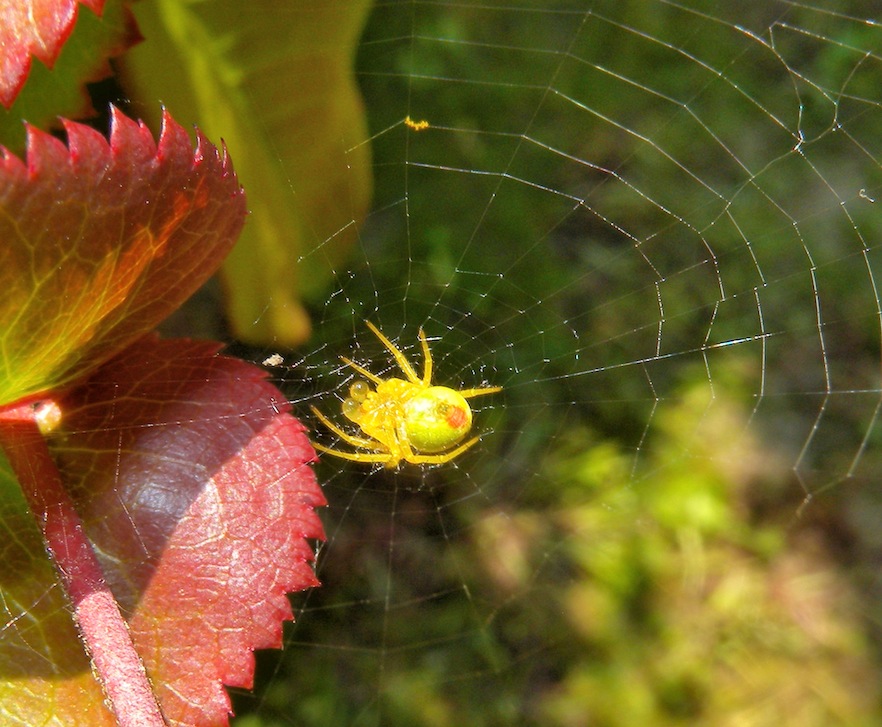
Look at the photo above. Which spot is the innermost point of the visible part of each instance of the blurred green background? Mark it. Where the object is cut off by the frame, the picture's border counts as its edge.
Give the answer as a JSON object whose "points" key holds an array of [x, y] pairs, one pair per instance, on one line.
{"points": [[652, 224]]}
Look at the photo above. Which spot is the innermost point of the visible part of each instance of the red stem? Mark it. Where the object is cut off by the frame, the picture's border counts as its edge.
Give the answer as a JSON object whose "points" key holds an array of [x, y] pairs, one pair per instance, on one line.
{"points": [[96, 612]]}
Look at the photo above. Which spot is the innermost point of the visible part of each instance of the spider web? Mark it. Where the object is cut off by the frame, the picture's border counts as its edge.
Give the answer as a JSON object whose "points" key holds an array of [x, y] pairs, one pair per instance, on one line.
{"points": [[655, 225]]}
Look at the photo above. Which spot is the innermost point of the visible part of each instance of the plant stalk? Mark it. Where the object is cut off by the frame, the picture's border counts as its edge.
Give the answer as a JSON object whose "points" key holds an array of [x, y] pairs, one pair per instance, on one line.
{"points": [[101, 625]]}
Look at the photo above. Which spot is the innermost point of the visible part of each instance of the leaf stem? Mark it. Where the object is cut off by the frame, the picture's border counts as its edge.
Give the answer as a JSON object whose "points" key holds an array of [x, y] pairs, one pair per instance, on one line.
{"points": [[96, 612]]}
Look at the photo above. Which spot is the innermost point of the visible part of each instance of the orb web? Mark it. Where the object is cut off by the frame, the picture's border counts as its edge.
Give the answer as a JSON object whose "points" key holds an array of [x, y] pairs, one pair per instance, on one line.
{"points": [[655, 226]]}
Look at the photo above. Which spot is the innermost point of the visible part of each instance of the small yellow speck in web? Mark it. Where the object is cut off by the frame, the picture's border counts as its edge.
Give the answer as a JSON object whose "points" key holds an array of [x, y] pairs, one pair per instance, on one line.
{"points": [[416, 125]]}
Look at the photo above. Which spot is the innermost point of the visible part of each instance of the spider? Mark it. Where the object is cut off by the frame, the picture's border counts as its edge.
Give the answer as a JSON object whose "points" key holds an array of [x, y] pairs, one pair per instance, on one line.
{"points": [[411, 420]]}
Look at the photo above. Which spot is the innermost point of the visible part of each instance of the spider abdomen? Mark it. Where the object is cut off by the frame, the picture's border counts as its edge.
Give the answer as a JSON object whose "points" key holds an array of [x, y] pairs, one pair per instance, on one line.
{"points": [[436, 418]]}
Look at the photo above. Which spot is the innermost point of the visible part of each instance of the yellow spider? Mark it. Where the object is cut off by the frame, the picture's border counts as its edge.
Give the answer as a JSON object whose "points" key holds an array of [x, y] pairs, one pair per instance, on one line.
{"points": [[410, 420]]}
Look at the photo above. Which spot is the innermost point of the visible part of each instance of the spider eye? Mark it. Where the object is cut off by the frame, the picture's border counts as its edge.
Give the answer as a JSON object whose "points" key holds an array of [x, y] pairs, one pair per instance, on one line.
{"points": [[436, 419]]}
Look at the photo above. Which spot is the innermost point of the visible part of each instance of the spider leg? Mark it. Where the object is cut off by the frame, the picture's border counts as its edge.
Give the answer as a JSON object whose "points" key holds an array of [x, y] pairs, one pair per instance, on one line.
{"points": [[386, 459], [427, 358], [363, 371], [469, 393], [442, 458], [346, 437], [400, 359]]}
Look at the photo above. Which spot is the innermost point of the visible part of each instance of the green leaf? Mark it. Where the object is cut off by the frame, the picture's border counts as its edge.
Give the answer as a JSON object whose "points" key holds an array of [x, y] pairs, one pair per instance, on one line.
{"points": [[73, 46], [274, 81]]}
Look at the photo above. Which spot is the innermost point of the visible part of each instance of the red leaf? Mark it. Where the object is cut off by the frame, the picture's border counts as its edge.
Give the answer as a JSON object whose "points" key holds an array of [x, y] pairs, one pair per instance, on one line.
{"points": [[102, 241], [194, 485], [33, 28]]}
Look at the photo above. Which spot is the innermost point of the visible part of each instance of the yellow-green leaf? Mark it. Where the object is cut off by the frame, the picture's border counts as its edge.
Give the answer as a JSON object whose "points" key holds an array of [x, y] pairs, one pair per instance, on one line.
{"points": [[275, 81]]}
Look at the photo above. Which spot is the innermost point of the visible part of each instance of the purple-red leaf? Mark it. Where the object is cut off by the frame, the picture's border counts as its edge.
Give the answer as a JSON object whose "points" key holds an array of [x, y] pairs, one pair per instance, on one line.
{"points": [[194, 486], [31, 28], [101, 241]]}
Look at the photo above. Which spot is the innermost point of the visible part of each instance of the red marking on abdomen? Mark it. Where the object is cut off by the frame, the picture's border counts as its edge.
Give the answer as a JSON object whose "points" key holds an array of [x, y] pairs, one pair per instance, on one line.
{"points": [[456, 417]]}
